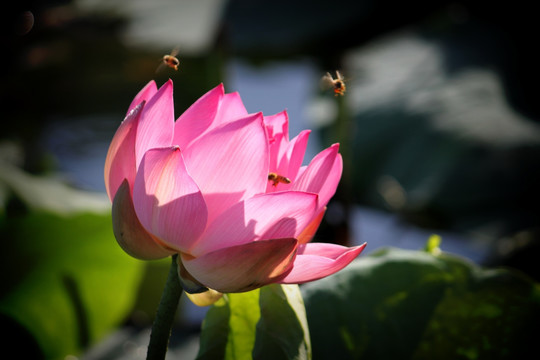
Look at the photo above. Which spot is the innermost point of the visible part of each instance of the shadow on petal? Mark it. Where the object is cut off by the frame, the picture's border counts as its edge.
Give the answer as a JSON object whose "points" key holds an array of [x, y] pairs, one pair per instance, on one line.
{"points": [[188, 282], [129, 232], [243, 267], [309, 231]]}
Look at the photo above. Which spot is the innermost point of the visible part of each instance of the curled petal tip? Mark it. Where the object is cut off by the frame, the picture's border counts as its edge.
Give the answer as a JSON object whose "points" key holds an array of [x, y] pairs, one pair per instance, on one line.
{"points": [[318, 260]]}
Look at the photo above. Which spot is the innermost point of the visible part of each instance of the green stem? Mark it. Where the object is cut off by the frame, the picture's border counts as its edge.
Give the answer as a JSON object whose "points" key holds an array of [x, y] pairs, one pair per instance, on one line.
{"points": [[161, 329]]}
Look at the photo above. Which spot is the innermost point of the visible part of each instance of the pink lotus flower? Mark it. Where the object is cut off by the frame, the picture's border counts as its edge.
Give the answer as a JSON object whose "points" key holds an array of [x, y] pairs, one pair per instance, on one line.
{"points": [[199, 186]]}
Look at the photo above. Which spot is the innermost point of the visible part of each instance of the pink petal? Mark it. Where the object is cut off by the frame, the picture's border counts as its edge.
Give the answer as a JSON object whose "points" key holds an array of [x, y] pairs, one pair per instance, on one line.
{"points": [[301, 171], [128, 231], [289, 161], [230, 163], [156, 126], [189, 284], [294, 156], [212, 110], [309, 232], [276, 146], [265, 216], [120, 160], [244, 267], [198, 118], [317, 260], [231, 109], [278, 124], [278, 138], [144, 95], [322, 175], [167, 200]]}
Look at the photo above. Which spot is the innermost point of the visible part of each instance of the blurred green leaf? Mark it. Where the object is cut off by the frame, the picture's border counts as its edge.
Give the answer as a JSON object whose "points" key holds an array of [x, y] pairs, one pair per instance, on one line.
{"points": [[215, 330], [267, 323], [244, 314], [69, 282], [282, 331], [414, 305], [228, 331]]}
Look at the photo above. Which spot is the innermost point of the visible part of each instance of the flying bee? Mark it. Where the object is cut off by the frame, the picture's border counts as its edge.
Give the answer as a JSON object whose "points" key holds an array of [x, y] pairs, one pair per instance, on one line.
{"points": [[276, 179], [170, 60], [338, 84]]}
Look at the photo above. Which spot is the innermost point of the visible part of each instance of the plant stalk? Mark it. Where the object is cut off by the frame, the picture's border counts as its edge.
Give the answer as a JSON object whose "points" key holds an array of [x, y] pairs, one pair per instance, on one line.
{"points": [[162, 326]]}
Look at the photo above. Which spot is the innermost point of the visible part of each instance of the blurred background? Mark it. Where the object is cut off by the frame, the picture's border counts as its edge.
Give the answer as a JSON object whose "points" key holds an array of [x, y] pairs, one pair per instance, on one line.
{"points": [[438, 128]]}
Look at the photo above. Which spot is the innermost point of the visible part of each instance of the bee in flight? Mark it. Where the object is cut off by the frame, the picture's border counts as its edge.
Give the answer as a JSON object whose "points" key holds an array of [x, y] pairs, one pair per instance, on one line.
{"points": [[338, 84], [276, 179], [170, 60]]}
